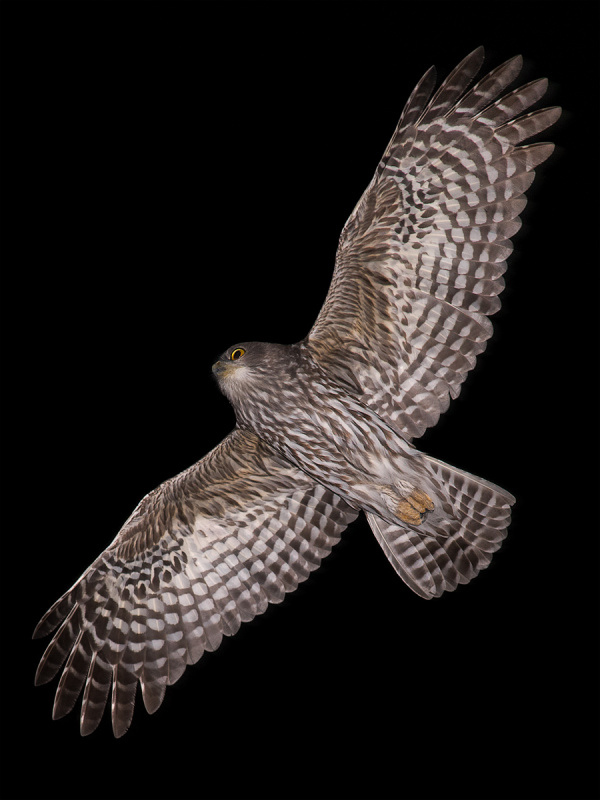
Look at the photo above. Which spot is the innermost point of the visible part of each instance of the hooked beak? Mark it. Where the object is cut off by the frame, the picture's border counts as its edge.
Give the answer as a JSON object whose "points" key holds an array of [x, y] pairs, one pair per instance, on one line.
{"points": [[223, 368]]}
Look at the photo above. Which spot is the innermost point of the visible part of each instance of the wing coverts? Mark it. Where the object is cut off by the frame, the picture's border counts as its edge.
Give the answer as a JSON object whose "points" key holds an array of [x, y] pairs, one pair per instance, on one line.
{"points": [[420, 261]]}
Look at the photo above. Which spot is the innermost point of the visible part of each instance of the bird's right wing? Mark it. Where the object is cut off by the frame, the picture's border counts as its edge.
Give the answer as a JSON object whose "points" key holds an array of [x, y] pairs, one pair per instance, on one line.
{"points": [[419, 263], [202, 553]]}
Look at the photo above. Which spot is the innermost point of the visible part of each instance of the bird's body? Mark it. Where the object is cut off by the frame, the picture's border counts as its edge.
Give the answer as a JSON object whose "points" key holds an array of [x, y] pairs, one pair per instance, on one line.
{"points": [[325, 427]]}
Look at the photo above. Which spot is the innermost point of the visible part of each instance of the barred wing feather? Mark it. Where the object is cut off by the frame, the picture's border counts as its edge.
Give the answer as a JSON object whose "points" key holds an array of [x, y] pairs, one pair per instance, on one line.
{"points": [[420, 261], [201, 554]]}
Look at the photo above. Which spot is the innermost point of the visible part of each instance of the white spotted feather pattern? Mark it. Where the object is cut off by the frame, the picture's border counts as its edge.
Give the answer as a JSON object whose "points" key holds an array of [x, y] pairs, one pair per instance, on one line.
{"points": [[190, 565], [420, 261], [324, 426]]}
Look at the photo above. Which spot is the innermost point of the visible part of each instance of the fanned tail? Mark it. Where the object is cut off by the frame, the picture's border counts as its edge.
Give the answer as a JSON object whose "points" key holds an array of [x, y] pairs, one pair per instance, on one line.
{"points": [[454, 543]]}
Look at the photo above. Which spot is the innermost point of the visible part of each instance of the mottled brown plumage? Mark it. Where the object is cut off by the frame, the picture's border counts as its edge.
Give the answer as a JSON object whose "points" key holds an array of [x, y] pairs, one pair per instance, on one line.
{"points": [[201, 554], [325, 426]]}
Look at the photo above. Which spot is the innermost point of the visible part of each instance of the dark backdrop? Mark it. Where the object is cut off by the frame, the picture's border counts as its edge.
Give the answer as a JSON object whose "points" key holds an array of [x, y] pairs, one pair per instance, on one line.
{"points": [[176, 179]]}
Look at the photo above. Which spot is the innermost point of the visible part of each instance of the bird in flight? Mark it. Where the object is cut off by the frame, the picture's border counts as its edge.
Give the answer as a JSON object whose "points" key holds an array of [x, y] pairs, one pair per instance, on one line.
{"points": [[325, 427]]}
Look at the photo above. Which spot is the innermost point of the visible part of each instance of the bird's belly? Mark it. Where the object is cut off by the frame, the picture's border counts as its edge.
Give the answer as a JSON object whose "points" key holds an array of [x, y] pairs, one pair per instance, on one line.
{"points": [[355, 455]]}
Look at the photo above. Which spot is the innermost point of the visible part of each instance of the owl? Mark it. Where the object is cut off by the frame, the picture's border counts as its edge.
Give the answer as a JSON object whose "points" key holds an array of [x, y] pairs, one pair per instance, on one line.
{"points": [[325, 428]]}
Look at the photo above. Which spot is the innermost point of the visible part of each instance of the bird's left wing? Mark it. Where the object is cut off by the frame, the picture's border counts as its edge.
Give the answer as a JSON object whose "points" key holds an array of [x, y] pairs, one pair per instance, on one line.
{"points": [[201, 554], [419, 263]]}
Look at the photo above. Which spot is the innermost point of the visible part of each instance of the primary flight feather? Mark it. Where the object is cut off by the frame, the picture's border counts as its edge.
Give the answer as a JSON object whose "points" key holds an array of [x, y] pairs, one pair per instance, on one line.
{"points": [[324, 427]]}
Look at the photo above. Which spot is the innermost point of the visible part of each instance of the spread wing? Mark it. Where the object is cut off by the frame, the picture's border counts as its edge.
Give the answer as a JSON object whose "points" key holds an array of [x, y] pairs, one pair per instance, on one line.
{"points": [[201, 554], [419, 263]]}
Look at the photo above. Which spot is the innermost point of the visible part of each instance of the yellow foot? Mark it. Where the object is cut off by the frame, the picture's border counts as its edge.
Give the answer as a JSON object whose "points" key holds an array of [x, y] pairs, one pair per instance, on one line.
{"points": [[414, 507]]}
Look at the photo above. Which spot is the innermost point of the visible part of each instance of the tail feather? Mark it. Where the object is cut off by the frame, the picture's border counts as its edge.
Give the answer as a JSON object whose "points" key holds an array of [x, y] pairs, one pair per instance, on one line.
{"points": [[454, 542]]}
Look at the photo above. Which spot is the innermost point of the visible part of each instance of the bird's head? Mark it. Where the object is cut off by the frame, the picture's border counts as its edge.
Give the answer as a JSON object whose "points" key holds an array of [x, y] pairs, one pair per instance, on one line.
{"points": [[244, 367], [235, 361], [249, 373]]}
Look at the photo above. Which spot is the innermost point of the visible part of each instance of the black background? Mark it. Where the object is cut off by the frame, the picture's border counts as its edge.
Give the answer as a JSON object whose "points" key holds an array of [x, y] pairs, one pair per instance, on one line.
{"points": [[176, 176]]}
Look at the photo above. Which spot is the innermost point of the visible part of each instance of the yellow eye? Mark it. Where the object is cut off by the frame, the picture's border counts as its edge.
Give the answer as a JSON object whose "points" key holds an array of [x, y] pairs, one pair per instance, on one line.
{"points": [[237, 353]]}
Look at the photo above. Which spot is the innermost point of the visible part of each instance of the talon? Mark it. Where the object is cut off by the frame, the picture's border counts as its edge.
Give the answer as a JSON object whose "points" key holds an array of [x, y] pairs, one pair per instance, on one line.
{"points": [[408, 513], [421, 501], [413, 509]]}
